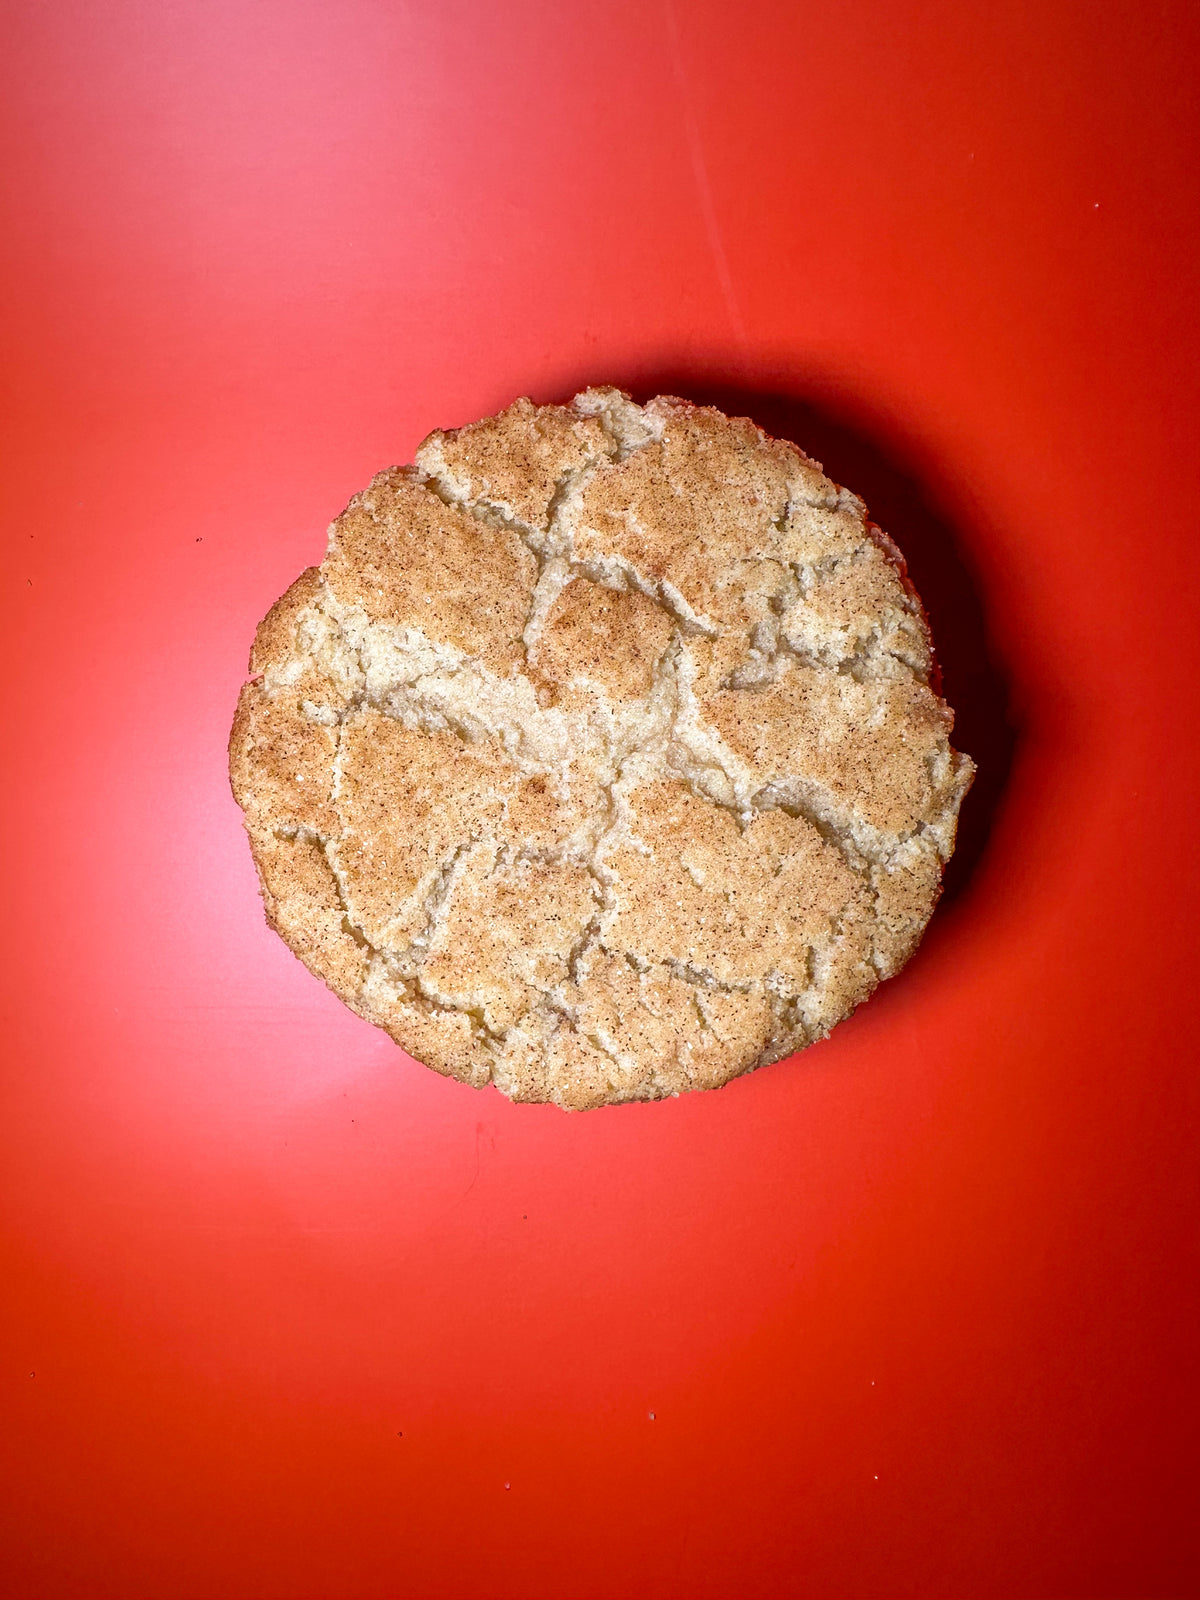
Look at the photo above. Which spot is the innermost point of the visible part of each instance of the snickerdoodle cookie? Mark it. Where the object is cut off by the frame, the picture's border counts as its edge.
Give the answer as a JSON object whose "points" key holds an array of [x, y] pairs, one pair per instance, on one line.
{"points": [[599, 759]]}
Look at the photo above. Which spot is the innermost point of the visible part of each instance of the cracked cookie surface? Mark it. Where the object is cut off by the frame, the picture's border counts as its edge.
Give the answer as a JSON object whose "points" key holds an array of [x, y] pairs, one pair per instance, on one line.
{"points": [[599, 758]]}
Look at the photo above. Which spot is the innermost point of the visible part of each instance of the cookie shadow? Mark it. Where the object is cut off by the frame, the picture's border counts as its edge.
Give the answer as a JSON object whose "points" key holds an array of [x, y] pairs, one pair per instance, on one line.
{"points": [[975, 679]]}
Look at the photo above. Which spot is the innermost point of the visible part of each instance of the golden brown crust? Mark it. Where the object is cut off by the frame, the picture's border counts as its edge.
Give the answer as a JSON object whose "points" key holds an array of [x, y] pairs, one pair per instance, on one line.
{"points": [[403, 557], [275, 636], [873, 746], [599, 759], [612, 638], [304, 907], [700, 891], [514, 462]]}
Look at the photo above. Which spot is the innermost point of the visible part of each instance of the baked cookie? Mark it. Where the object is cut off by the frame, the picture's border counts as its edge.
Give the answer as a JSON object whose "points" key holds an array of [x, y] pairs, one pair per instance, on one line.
{"points": [[599, 759]]}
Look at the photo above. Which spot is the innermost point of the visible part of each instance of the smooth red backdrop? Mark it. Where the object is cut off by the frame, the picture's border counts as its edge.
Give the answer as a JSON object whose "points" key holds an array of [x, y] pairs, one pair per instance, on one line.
{"points": [[289, 1317]]}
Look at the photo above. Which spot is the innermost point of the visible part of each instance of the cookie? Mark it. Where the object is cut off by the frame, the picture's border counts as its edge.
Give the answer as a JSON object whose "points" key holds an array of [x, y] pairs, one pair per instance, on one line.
{"points": [[599, 758]]}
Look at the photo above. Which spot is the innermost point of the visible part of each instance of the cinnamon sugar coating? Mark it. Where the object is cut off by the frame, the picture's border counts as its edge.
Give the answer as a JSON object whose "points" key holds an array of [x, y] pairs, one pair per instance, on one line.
{"points": [[599, 758]]}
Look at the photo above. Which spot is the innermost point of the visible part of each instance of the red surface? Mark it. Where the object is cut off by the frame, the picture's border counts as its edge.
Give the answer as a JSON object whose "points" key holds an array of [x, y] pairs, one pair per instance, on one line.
{"points": [[287, 1316]]}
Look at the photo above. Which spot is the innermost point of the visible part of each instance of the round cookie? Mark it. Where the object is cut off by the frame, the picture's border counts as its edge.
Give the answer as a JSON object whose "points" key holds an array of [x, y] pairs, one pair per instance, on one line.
{"points": [[599, 759]]}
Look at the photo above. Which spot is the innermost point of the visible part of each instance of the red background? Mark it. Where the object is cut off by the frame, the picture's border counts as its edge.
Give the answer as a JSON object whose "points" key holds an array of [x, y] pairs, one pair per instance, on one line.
{"points": [[287, 1316]]}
